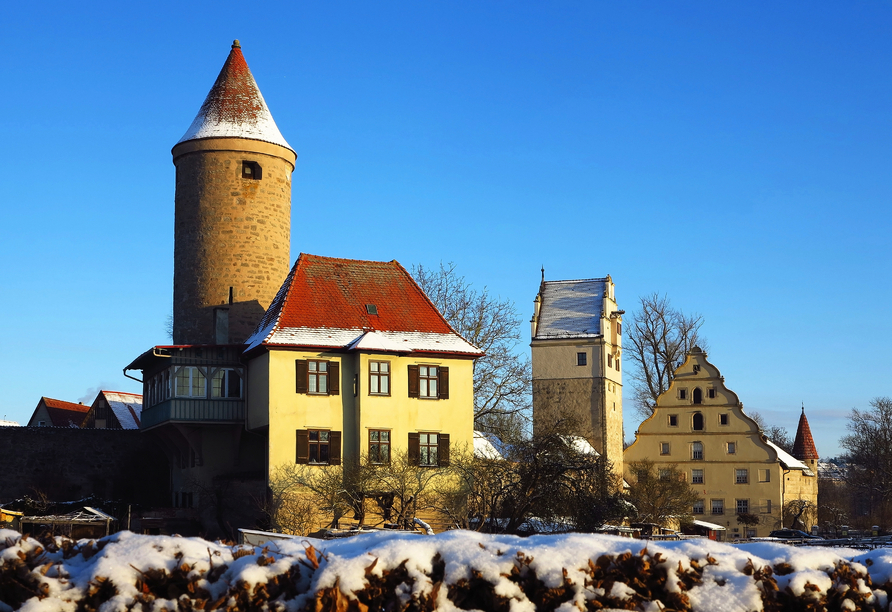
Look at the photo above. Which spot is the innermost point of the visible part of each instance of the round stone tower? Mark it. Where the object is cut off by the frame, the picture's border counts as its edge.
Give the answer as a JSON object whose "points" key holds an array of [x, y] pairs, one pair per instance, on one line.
{"points": [[232, 230]]}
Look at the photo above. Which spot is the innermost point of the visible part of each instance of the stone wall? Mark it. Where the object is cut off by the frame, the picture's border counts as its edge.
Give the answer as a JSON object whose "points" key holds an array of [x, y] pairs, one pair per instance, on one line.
{"points": [[229, 231], [69, 464]]}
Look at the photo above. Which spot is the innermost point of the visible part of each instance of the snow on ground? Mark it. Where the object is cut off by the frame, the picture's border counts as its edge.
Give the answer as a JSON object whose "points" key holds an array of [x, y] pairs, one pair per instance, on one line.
{"points": [[478, 571]]}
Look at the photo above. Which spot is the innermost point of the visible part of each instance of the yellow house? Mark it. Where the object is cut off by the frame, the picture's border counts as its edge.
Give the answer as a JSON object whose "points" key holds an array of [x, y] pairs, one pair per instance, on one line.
{"points": [[352, 359], [699, 425]]}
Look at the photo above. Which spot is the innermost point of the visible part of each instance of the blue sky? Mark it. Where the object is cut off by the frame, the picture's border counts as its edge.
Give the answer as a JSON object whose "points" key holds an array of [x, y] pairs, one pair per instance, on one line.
{"points": [[734, 156]]}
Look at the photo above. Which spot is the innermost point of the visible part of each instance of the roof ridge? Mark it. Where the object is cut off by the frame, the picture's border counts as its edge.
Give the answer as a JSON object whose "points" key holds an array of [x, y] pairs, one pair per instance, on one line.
{"points": [[576, 280]]}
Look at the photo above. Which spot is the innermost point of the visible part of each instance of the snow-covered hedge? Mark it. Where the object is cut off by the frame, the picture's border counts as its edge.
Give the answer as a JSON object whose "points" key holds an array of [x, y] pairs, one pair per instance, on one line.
{"points": [[454, 570]]}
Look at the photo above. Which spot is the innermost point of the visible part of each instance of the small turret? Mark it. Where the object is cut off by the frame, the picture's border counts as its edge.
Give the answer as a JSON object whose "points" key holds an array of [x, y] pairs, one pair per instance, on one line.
{"points": [[804, 445]]}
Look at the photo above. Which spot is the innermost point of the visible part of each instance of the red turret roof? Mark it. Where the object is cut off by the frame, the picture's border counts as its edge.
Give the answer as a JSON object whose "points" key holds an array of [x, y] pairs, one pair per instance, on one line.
{"points": [[235, 108], [327, 301], [804, 445]]}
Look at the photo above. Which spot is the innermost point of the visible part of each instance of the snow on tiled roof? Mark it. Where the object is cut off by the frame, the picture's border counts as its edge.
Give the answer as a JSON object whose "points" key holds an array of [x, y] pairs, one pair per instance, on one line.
{"points": [[355, 304], [235, 108], [126, 406], [5, 423], [65, 414], [789, 461], [581, 445], [484, 448], [571, 308], [804, 444]]}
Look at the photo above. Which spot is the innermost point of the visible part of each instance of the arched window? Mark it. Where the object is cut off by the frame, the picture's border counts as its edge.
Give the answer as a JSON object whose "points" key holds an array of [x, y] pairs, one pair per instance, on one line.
{"points": [[698, 421], [697, 450], [698, 396]]}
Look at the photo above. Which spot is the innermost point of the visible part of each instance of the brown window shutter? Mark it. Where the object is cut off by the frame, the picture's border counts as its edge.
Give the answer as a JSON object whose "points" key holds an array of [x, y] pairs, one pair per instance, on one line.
{"points": [[414, 444], [443, 450], [303, 446], [334, 449], [443, 383], [413, 382], [334, 378], [301, 376]]}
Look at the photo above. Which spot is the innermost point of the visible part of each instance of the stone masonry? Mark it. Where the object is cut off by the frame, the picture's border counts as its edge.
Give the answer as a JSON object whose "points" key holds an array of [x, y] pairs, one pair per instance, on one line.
{"points": [[230, 232]]}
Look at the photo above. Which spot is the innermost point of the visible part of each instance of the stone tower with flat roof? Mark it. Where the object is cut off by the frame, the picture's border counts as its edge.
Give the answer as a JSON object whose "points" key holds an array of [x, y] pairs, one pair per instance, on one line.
{"points": [[233, 212]]}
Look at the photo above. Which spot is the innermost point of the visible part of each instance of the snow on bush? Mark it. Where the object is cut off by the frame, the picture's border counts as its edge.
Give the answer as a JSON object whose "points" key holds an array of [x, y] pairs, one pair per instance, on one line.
{"points": [[456, 570]]}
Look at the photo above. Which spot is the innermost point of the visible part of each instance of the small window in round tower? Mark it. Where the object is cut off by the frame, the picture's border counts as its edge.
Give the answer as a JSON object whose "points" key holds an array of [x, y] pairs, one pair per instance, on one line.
{"points": [[251, 170]]}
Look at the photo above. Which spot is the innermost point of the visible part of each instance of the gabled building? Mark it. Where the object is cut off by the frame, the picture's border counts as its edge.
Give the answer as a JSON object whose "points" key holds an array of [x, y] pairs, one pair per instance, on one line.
{"points": [[699, 426], [57, 413], [353, 359], [114, 410], [576, 352]]}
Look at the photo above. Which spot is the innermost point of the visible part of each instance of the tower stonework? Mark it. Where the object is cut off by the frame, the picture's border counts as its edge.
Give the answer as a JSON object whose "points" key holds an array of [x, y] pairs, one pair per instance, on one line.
{"points": [[233, 212], [577, 349]]}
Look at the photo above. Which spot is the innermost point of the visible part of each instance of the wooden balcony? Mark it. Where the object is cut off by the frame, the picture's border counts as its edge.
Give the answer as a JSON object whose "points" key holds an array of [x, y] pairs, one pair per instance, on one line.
{"points": [[193, 411]]}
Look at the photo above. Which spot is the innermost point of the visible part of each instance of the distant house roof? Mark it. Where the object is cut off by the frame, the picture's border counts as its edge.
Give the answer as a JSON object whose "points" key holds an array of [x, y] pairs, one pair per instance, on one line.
{"points": [[64, 414], [484, 448], [804, 444], [571, 308], [235, 108], [127, 407], [355, 305], [5, 423]]}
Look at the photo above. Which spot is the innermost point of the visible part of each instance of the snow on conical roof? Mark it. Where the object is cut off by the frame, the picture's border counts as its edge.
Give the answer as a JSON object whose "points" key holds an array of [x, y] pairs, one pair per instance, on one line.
{"points": [[804, 444], [235, 108]]}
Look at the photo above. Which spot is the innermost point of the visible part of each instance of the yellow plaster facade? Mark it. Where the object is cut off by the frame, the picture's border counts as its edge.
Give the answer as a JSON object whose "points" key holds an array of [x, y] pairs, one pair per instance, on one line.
{"points": [[699, 425], [273, 402]]}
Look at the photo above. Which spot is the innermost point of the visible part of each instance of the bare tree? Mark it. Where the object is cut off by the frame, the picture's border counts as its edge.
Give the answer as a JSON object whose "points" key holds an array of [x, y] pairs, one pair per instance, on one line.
{"points": [[869, 458], [658, 339], [502, 377], [800, 513], [660, 493], [775, 433]]}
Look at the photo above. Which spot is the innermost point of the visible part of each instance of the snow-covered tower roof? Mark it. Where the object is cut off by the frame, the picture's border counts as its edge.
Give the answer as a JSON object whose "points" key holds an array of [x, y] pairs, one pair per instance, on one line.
{"points": [[235, 108]]}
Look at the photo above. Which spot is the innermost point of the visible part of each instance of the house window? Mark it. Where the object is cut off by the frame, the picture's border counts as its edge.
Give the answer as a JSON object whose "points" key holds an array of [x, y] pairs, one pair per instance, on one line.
{"points": [[379, 445], [696, 476], [427, 382], [664, 448], [750, 533], [696, 368], [609, 360], [252, 170], [320, 445], [698, 507], [682, 394], [723, 419], [765, 505], [619, 328], [665, 475], [379, 378], [41, 423], [673, 420], [743, 506], [371, 309], [741, 476], [710, 393], [697, 421], [698, 396], [617, 363], [226, 383], [718, 506], [697, 451], [765, 475], [732, 448], [317, 377], [427, 444], [581, 359], [191, 382]]}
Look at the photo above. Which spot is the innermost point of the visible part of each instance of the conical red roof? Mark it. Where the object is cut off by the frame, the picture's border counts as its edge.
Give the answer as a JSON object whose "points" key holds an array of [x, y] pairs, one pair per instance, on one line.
{"points": [[235, 108], [804, 445]]}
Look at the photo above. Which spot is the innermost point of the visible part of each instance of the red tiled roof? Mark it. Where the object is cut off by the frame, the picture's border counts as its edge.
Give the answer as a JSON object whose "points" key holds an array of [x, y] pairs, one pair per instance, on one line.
{"points": [[64, 414], [804, 445], [326, 292]]}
